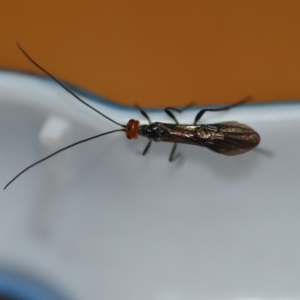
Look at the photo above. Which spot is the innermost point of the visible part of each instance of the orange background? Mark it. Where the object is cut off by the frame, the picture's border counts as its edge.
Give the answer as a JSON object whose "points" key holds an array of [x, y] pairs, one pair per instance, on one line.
{"points": [[159, 53]]}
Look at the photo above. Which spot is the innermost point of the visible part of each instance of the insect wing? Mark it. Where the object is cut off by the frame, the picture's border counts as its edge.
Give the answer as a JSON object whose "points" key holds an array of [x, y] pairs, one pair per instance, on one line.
{"points": [[230, 138]]}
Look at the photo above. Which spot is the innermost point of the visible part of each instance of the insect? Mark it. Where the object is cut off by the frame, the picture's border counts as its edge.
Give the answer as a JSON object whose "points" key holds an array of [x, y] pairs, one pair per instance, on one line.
{"points": [[228, 138]]}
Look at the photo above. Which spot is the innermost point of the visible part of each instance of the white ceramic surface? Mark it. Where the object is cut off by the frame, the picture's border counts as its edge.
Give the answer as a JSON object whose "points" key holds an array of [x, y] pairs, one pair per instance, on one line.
{"points": [[100, 221]]}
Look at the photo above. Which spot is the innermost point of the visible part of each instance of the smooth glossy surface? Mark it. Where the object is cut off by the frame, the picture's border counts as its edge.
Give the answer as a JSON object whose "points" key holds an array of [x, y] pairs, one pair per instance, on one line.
{"points": [[104, 222]]}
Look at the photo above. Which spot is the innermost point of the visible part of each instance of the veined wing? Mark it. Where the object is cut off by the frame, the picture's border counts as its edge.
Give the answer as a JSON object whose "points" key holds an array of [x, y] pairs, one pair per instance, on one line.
{"points": [[229, 138]]}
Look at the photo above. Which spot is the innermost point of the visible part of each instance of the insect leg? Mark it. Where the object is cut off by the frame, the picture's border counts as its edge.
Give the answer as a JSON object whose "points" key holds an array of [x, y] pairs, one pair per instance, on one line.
{"points": [[172, 154], [144, 114], [202, 111], [147, 117], [171, 115], [147, 147]]}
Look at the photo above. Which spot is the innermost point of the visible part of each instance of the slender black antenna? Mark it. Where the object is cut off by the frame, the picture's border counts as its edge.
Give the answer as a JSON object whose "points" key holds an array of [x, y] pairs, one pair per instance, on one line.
{"points": [[65, 87], [58, 151]]}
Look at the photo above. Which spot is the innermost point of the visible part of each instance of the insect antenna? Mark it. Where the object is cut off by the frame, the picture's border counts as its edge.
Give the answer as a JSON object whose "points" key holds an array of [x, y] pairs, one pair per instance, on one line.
{"points": [[58, 151], [65, 87]]}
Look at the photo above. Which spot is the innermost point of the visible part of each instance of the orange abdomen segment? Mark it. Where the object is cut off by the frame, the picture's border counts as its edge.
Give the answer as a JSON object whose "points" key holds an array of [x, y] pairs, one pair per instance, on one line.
{"points": [[132, 129]]}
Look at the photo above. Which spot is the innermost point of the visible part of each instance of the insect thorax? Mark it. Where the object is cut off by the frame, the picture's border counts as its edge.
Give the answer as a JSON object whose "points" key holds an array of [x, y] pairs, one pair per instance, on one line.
{"points": [[154, 131]]}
